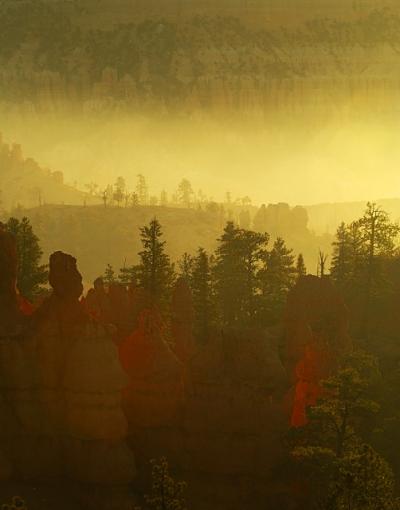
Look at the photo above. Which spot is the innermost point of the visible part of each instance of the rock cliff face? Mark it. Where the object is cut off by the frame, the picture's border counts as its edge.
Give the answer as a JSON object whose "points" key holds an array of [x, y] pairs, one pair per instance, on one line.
{"points": [[60, 417]]}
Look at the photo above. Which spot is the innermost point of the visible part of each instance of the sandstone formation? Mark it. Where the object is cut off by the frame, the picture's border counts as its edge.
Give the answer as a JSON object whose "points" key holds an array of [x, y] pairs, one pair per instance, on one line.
{"points": [[79, 378], [60, 387]]}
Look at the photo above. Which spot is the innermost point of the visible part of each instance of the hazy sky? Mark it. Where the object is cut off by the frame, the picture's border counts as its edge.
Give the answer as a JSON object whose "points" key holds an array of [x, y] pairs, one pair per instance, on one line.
{"points": [[304, 161]]}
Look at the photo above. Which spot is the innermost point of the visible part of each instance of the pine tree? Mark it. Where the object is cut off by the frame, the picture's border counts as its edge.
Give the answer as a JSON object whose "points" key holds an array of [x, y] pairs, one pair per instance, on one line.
{"points": [[31, 274], [301, 269], [127, 275], [109, 275], [238, 257], [166, 493], [119, 190], [378, 235], [142, 190], [276, 279], [201, 284], [360, 255], [345, 472], [134, 199], [185, 192], [155, 272], [228, 275], [253, 250], [341, 258], [185, 266]]}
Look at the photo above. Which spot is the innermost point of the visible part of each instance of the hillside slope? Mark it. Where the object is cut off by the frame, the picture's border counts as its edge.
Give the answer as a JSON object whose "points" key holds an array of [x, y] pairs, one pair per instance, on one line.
{"points": [[24, 182]]}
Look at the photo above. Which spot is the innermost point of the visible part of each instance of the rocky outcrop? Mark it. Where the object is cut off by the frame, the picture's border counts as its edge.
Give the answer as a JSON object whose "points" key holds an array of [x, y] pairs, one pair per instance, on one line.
{"points": [[61, 391], [74, 387], [317, 333]]}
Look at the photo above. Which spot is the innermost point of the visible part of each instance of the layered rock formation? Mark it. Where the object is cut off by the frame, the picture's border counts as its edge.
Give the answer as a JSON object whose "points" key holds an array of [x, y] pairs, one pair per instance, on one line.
{"points": [[60, 416]]}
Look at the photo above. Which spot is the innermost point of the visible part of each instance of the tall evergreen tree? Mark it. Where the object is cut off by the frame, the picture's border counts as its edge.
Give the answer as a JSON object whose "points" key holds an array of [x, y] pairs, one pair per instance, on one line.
{"points": [[119, 190], [301, 269], [378, 235], [361, 252], [341, 258], [185, 192], [109, 275], [185, 266], [201, 284], [127, 275], [228, 275], [276, 278], [155, 272], [31, 274], [142, 191], [238, 256], [252, 250]]}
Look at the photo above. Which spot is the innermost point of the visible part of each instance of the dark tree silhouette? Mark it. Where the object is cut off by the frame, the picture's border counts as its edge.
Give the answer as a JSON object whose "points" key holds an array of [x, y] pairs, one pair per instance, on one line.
{"points": [[276, 278], [201, 284], [31, 274], [109, 275], [301, 269], [155, 272]]}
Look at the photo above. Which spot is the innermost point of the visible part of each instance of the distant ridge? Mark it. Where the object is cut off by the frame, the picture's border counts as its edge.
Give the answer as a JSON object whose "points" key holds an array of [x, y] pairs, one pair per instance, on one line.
{"points": [[24, 182]]}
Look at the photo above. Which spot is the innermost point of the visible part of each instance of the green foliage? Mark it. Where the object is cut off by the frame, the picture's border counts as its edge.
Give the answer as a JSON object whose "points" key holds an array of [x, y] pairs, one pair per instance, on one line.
{"points": [[361, 253], [238, 257], [185, 192], [16, 503], [203, 302], [185, 266], [166, 493], [346, 473], [127, 275], [277, 277], [155, 272], [109, 275], [119, 190], [301, 269], [31, 274]]}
